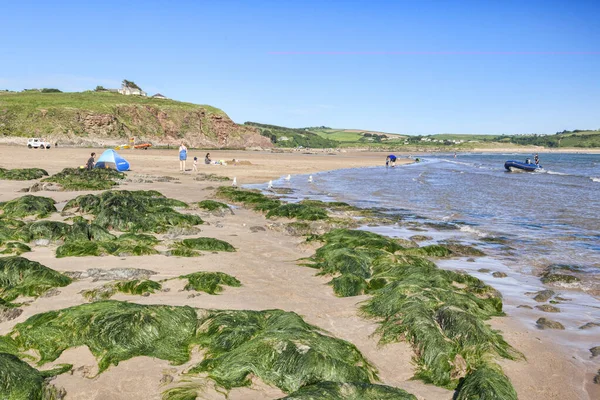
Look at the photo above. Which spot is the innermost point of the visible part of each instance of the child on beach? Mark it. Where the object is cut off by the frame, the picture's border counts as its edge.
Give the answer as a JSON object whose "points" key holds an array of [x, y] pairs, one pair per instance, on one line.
{"points": [[90, 162], [195, 164]]}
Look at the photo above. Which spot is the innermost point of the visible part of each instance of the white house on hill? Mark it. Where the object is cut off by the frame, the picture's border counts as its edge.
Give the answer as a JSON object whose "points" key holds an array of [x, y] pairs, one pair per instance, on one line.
{"points": [[129, 91], [159, 96]]}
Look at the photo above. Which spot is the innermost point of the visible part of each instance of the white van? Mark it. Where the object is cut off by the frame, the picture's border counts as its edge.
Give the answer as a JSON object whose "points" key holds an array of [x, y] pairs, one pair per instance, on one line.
{"points": [[35, 143]]}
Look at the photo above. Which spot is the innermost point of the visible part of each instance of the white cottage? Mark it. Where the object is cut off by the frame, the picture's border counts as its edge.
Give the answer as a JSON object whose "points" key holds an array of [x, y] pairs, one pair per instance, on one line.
{"points": [[129, 91]]}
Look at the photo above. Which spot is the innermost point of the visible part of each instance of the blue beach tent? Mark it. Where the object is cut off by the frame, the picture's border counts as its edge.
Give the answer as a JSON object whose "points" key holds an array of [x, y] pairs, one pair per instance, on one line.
{"points": [[111, 159]]}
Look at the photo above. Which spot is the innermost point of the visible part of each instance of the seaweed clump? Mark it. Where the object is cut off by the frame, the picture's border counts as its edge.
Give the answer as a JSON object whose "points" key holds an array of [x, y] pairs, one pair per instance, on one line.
{"points": [[441, 313], [134, 287], [114, 331], [249, 198], [487, 382], [22, 174], [18, 380], [73, 179], [349, 391], [209, 282], [278, 347], [298, 211], [211, 205], [15, 248], [28, 205], [133, 211], [22, 277], [191, 247]]}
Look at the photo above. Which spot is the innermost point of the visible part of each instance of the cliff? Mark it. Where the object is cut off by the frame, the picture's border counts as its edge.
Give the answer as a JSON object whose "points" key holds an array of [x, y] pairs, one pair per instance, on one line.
{"points": [[107, 118]]}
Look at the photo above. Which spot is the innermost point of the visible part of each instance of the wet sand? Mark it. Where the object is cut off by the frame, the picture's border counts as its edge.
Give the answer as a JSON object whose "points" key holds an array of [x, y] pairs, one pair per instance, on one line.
{"points": [[266, 264]]}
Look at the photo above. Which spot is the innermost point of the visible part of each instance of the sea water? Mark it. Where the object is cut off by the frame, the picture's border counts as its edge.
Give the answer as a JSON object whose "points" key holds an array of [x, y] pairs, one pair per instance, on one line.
{"points": [[540, 218]]}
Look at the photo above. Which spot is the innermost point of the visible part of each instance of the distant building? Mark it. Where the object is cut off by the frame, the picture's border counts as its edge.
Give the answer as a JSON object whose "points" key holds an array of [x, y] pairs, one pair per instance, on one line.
{"points": [[129, 91], [159, 96]]}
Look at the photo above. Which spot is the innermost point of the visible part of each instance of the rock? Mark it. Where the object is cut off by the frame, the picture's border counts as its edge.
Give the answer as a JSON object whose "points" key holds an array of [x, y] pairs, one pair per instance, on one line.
{"points": [[191, 296], [561, 298], [51, 293], [420, 238], [559, 278], [548, 308], [470, 259], [544, 323], [543, 295], [166, 290], [590, 325], [595, 351], [484, 270], [525, 306], [255, 229], [597, 378], [41, 242], [499, 274], [113, 274], [178, 231], [7, 313], [146, 294], [39, 186], [219, 225]]}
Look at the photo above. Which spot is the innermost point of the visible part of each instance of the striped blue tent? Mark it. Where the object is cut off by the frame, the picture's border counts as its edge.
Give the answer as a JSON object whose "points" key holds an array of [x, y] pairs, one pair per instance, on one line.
{"points": [[112, 159]]}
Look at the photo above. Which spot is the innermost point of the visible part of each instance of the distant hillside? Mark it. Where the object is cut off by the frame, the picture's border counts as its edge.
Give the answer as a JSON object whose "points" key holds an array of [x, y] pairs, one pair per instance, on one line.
{"points": [[576, 138], [356, 136], [291, 137], [96, 117]]}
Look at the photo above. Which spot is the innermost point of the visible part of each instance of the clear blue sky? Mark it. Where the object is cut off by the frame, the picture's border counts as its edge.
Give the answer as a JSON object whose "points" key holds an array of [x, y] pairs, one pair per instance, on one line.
{"points": [[418, 67]]}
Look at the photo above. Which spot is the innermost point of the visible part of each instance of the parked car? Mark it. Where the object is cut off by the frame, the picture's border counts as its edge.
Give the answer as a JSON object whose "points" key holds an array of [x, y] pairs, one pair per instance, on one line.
{"points": [[36, 143]]}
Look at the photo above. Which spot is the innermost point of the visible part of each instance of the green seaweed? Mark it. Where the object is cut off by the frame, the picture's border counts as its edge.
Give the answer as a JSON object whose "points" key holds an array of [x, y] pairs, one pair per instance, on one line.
{"points": [[190, 247], [349, 391], [113, 331], [28, 205], [252, 199], [278, 347], [12, 230], [22, 277], [298, 211], [188, 391], [484, 383], [15, 248], [83, 179], [133, 211], [209, 282], [134, 287], [22, 174], [51, 230], [211, 205], [18, 380]]}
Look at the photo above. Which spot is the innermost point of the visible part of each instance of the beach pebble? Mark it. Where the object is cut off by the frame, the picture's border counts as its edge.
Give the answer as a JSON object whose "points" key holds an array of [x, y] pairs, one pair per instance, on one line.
{"points": [[545, 323], [525, 306], [590, 325], [484, 270], [498, 274], [255, 229], [470, 260], [166, 379], [7, 314], [543, 295], [547, 308]]}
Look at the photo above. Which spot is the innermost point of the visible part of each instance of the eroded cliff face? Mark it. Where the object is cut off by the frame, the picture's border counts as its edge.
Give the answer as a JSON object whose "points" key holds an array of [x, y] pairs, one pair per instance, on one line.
{"points": [[197, 126]]}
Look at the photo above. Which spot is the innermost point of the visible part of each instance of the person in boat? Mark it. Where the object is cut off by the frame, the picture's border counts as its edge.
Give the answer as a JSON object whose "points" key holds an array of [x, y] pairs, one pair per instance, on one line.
{"points": [[536, 159], [391, 159], [528, 161]]}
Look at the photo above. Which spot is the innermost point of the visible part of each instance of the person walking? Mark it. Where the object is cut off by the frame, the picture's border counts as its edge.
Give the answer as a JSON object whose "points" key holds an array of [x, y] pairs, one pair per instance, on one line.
{"points": [[182, 157], [90, 162], [195, 164]]}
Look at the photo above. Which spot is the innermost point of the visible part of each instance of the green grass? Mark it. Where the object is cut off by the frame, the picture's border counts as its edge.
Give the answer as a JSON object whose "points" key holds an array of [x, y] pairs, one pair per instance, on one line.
{"points": [[209, 282], [290, 137], [191, 247], [22, 277], [74, 179], [22, 174], [113, 331], [133, 211], [20, 381], [278, 347], [28, 205]]}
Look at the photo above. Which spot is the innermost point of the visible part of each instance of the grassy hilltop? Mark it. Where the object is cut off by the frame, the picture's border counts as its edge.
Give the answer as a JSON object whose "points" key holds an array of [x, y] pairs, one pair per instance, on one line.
{"points": [[103, 115]]}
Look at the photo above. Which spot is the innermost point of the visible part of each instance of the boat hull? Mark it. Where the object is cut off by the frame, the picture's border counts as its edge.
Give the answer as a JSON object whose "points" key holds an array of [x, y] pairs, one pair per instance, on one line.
{"points": [[518, 166]]}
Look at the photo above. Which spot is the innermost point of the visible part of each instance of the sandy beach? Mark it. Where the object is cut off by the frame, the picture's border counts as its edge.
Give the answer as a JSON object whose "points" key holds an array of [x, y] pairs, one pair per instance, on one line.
{"points": [[266, 264]]}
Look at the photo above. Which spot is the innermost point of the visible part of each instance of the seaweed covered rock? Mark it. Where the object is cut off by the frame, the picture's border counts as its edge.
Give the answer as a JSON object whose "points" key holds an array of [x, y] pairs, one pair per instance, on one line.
{"points": [[14, 248], [298, 211], [22, 277], [22, 174], [486, 382], [190, 247], [545, 323], [84, 179], [561, 275], [18, 380], [209, 282], [51, 230], [211, 205], [249, 198], [114, 331], [28, 205], [133, 211], [134, 287], [543, 295], [278, 347], [349, 391]]}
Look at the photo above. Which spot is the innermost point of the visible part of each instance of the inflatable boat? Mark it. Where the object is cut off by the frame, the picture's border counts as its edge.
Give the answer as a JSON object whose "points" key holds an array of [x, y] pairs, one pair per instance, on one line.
{"points": [[521, 166]]}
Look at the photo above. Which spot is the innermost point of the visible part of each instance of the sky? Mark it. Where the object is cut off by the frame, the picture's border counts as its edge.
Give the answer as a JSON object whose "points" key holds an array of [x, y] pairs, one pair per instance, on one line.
{"points": [[403, 66]]}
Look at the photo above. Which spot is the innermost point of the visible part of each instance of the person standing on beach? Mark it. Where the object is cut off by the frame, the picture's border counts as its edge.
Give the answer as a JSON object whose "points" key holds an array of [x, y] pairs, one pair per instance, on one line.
{"points": [[90, 162], [207, 159], [182, 157], [195, 164]]}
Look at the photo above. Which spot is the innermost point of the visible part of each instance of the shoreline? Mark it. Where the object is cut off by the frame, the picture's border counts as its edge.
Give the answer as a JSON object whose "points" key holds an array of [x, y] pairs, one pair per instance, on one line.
{"points": [[266, 264]]}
